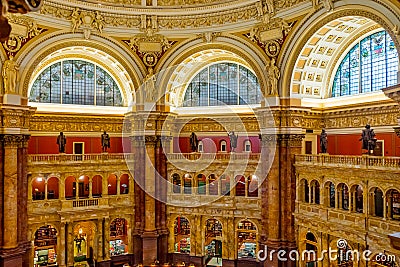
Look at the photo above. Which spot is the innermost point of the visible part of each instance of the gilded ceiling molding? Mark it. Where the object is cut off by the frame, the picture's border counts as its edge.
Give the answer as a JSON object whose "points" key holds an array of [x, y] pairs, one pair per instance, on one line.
{"points": [[134, 76], [293, 48], [25, 29]]}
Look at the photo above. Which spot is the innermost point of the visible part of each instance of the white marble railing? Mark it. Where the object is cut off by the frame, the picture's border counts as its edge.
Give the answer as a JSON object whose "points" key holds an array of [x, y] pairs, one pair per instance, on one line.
{"points": [[214, 156], [348, 161], [57, 158]]}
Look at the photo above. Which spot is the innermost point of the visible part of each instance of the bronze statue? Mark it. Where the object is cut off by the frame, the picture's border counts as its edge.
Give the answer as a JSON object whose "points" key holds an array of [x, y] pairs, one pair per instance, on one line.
{"points": [[368, 139], [61, 142], [194, 142], [105, 141], [323, 141], [233, 140]]}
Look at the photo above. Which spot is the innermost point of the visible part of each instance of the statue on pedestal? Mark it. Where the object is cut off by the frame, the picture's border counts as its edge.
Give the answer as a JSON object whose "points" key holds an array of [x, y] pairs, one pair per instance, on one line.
{"points": [[368, 139], [194, 142], [233, 140], [105, 141], [9, 73], [323, 141], [61, 142]]}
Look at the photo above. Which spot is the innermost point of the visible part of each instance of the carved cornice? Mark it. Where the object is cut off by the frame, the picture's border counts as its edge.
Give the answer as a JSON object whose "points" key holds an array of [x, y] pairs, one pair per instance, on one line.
{"points": [[16, 118], [43, 123]]}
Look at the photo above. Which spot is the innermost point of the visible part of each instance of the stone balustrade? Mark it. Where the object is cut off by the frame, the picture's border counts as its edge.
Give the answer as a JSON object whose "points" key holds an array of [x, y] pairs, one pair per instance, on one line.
{"points": [[363, 162]]}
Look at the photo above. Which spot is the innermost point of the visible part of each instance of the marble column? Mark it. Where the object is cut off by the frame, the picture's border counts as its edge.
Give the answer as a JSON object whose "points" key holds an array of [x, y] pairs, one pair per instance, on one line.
{"points": [[15, 245], [150, 235], [138, 150], [61, 244]]}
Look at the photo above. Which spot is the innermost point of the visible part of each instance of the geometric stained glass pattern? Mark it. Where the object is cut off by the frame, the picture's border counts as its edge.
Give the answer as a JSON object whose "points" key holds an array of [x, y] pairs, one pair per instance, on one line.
{"points": [[223, 84], [76, 82], [370, 65]]}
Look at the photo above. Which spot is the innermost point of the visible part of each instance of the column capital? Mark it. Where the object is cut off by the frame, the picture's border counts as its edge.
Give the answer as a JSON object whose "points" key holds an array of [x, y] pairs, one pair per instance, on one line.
{"points": [[291, 140], [15, 141]]}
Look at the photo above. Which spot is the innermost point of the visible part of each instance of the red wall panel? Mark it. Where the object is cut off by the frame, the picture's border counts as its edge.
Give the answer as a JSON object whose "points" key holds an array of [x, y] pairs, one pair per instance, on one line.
{"points": [[349, 144], [48, 144]]}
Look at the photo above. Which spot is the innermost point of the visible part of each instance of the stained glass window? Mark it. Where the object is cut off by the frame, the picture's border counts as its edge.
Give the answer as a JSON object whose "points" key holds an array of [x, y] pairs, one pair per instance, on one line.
{"points": [[223, 84], [76, 82], [369, 66]]}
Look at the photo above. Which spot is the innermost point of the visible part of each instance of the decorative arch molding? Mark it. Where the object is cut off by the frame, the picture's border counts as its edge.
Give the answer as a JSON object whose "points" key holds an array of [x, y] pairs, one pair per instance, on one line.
{"points": [[241, 51], [129, 78], [382, 13]]}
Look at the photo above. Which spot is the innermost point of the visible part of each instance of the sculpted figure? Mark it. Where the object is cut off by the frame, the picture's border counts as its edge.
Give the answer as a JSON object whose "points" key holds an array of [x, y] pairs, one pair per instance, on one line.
{"points": [[368, 138], [149, 86], [9, 73], [105, 141], [273, 77], [61, 142], [233, 140], [323, 141], [98, 22], [194, 142], [76, 19]]}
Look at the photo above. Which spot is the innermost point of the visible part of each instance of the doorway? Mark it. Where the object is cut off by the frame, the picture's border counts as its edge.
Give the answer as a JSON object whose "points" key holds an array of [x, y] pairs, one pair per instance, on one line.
{"points": [[79, 149]]}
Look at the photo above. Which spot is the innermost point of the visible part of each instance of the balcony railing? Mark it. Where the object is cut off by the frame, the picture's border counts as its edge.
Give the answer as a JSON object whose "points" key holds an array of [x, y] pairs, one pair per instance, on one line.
{"points": [[364, 162], [59, 158], [214, 156]]}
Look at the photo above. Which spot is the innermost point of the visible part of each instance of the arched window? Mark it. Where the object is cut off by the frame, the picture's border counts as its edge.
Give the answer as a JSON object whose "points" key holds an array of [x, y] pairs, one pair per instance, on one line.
{"points": [[311, 247], [247, 240], [344, 196], [252, 186], [97, 187], [112, 184], [187, 184], [213, 239], [240, 187], [200, 147], [370, 65], [176, 182], [76, 82], [182, 235], [38, 188], [118, 237], [223, 84], [52, 188], [45, 246], [376, 202], [314, 188], [393, 198], [124, 184], [223, 146], [247, 146], [201, 184]]}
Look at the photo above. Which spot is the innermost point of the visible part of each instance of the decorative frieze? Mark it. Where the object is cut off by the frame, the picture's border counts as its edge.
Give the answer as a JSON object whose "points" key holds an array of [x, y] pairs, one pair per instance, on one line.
{"points": [[42, 123]]}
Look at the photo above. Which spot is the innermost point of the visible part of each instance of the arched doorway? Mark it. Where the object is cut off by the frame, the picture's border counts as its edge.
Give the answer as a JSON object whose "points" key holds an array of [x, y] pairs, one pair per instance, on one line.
{"points": [[45, 246], [213, 242], [182, 235], [84, 241], [246, 240], [118, 237]]}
